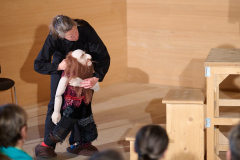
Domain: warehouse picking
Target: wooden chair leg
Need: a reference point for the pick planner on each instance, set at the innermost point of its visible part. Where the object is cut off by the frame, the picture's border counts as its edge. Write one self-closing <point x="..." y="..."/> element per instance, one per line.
<point x="15" y="94"/>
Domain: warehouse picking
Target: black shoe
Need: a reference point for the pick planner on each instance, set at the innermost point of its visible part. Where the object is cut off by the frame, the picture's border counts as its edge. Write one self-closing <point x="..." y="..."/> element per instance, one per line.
<point x="44" y="152"/>
<point x="83" y="150"/>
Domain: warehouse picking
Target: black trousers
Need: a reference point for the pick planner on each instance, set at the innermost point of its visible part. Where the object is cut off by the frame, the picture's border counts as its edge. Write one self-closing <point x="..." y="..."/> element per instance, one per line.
<point x="86" y="126"/>
<point x="49" y="125"/>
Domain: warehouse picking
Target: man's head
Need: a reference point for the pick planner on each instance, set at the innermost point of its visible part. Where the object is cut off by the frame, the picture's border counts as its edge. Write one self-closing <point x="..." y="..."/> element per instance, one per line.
<point x="234" y="144"/>
<point x="64" y="27"/>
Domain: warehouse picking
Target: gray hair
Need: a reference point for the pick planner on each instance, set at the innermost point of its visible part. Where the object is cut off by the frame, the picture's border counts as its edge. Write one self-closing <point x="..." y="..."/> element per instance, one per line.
<point x="60" y="25"/>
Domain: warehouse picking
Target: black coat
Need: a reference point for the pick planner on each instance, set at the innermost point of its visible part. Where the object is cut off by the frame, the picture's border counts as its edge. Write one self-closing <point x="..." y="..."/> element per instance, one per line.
<point x="88" y="41"/>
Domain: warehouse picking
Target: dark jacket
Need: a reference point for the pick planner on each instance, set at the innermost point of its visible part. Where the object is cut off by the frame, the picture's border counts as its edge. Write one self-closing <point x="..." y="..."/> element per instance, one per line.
<point x="88" y="41"/>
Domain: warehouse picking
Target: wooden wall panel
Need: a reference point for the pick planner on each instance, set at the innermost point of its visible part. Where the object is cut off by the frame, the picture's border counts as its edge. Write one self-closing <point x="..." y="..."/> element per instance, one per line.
<point x="168" y="41"/>
<point x="24" y="27"/>
<point x="155" y="41"/>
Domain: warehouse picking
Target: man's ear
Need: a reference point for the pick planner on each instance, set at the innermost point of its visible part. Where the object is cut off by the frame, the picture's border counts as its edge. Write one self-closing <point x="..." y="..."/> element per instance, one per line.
<point x="228" y="155"/>
<point x="24" y="132"/>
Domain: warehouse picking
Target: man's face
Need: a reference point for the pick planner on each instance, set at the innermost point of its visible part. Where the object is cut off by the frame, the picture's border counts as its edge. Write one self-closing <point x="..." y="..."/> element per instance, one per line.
<point x="72" y="35"/>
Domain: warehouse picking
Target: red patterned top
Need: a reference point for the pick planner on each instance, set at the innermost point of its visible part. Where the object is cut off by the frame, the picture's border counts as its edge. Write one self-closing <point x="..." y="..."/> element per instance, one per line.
<point x="70" y="97"/>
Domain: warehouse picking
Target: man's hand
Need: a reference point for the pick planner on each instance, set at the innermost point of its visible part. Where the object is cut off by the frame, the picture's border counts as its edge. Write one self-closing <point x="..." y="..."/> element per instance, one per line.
<point x="75" y="82"/>
<point x="62" y="65"/>
<point x="89" y="82"/>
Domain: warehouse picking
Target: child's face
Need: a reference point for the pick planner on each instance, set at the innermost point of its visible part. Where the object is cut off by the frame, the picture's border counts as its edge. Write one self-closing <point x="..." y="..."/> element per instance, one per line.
<point x="85" y="59"/>
<point x="82" y="57"/>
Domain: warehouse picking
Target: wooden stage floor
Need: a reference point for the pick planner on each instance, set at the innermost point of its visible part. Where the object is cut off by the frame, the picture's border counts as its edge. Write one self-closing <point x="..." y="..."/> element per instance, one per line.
<point x="116" y="109"/>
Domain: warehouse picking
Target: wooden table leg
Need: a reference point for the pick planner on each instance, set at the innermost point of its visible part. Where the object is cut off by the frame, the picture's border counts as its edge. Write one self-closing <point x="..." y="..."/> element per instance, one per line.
<point x="210" y="114"/>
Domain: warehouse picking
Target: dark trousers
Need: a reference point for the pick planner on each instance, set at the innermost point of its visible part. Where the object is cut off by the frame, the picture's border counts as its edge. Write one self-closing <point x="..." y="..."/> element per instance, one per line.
<point x="55" y="78"/>
<point x="86" y="126"/>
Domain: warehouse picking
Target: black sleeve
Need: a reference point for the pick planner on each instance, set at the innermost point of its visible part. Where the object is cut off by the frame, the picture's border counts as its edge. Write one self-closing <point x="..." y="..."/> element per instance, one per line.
<point x="42" y="63"/>
<point x="98" y="51"/>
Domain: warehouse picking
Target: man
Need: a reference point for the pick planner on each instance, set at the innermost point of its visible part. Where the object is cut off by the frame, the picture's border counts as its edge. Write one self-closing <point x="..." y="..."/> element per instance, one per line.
<point x="67" y="35"/>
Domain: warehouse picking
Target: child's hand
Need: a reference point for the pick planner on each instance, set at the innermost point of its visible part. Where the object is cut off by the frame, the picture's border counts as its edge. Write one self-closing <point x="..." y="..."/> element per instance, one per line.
<point x="56" y="116"/>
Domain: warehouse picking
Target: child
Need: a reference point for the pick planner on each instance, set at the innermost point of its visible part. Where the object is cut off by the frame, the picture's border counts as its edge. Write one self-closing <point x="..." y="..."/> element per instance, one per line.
<point x="13" y="131"/>
<point x="76" y="109"/>
<point x="151" y="142"/>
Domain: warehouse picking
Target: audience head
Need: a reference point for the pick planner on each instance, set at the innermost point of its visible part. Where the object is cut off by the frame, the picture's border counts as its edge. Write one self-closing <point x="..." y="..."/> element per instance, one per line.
<point x="107" y="155"/>
<point x="234" y="144"/>
<point x="151" y="142"/>
<point x="13" y="120"/>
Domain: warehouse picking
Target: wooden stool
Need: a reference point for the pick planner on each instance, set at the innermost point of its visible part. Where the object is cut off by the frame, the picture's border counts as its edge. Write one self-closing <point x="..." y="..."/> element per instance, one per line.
<point x="131" y="136"/>
<point x="185" y="124"/>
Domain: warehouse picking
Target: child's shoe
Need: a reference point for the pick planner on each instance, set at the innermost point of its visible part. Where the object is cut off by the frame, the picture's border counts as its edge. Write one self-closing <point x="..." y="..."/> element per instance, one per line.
<point x="84" y="150"/>
<point x="44" y="152"/>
